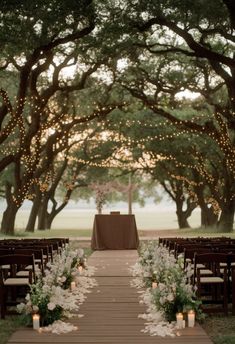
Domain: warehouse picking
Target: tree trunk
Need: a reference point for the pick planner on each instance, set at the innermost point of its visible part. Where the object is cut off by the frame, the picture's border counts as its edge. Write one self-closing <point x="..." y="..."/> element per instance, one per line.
<point x="182" y="218"/>
<point x="183" y="215"/>
<point x="33" y="214"/>
<point x="42" y="214"/>
<point x="49" y="218"/>
<point x="226" y="219"/>
<point x="55" y="211"/>
<point x="208" y="217"/>
<point x="8" y="219"/>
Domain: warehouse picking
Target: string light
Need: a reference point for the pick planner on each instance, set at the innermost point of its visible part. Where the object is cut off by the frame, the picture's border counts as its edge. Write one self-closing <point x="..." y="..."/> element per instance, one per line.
<point x="62" y="125"/>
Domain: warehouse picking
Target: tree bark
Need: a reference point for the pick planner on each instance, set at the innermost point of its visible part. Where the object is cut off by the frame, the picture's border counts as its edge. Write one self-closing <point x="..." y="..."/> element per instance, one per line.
<point x="33" y="213"/>
<point x="49" y="219"/>
<point x="183" y="215"/>
<point x="208" y="217"/>
<point x="226" y="219"/>
<point x="42" y="214"/>
<point x="50" y="216"/>
<point x="8" y="219"/>
<point x="9" y="215"/>
<point x="182" y="218"/>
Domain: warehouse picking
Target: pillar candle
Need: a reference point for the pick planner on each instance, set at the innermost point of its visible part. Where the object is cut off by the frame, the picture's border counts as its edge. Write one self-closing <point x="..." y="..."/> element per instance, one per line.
<point x="179" y="320"/>
<point x="36" y="321"/>
<point x="72" y="285"/>
<point x="154" y="285"/>
<point x="191" y="318"/>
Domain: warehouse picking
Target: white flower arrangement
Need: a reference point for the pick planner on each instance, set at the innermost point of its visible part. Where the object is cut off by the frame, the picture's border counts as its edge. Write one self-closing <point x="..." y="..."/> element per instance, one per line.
<point x="51" y="296"/>
<point x="173" y="290"/>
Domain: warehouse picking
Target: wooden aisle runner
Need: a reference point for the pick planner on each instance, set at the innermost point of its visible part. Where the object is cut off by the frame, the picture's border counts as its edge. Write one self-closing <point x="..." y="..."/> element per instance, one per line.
<point x="110" y="311"/>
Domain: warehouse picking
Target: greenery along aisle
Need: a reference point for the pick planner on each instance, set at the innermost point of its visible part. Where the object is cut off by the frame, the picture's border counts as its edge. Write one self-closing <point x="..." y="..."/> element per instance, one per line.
<point x="168" y="292"/>
<point x="58" y="294"/>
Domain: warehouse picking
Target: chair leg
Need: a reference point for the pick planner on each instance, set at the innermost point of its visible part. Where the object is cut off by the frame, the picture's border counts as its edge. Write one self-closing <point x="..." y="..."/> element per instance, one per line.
<point x="225" y="299"/>
<point x="233" y="291"/>
<point x="3" y="301"/>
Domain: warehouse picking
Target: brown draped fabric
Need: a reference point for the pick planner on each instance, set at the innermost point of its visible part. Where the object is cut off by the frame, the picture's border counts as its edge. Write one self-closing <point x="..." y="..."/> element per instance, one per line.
<point x="114" y="232"/>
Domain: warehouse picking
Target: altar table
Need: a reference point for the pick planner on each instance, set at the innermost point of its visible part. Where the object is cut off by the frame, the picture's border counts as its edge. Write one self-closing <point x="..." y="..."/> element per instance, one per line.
<point x="114" y="232"/>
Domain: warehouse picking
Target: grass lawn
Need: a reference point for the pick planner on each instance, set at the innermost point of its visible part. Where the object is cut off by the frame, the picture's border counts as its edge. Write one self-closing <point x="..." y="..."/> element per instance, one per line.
<point x="145" y="233"/>
<point x="187" y="232"/>
<point x="56" y="233"/>
<point x="221" y="329"/>
<point x="8" y="326"/>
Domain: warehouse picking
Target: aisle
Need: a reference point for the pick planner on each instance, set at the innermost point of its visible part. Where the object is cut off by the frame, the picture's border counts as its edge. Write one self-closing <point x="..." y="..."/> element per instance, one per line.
<point x="110" y="311"/>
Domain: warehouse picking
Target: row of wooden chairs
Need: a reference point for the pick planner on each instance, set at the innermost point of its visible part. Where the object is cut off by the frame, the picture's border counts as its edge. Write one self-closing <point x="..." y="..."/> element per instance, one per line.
<point x="177" y="245"/>
<point x="12" y="285"/>
<point x="212" y="261"/>
<point x="55" y="244"/>
<point x="21" y="261"/>
<point x="213" y="277"/>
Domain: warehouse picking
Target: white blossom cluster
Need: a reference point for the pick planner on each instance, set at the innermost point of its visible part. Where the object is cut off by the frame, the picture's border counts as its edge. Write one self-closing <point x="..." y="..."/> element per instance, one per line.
<point x="59" y="327"/>
<point x="172" y="292"/>
<point x="53" y="290"/>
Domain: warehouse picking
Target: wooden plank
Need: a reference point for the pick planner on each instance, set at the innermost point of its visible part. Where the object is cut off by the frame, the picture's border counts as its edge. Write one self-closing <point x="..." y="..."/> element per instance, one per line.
<point x="110" y="311"/>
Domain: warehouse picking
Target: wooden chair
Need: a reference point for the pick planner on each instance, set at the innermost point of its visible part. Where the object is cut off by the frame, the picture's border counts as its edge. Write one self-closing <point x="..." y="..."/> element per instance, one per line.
<point x="189" y="254"/>
<point x="53" y="247"/>
<point x="10" y="282"/>
<point x="47" y="251"/>
<point x="233" y="289"/>
<point x="231" y="280"/>
<point x="212" y="288"/>
<point x="38" y="259"/>
<point x="4" y="251"/>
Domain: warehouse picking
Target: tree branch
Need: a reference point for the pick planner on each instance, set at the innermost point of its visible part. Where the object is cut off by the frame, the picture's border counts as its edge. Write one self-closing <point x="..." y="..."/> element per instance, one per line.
<point x="199" y="50"/>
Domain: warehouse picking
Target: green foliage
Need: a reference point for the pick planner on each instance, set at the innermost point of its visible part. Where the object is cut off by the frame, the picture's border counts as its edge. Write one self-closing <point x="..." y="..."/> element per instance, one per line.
<point x="39" y="22"/>
<point x="220" y="328"/>
<point x="224" y="340"/>
<point x="9" y="325"/>
<point x="174" y="292"/>
<point x="39" y="298"/>
<point x="47" y="316"/>
<point x="182" y="300"/>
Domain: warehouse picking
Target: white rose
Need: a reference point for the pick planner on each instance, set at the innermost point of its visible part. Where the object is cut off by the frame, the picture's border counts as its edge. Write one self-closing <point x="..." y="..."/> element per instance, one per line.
<point x="51" y="306"/>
